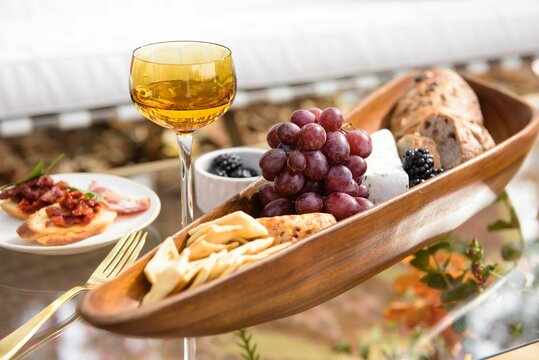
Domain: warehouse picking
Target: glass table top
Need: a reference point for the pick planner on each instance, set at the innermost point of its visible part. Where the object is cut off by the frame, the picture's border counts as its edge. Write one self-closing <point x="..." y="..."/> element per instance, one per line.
<point x="418" y="308"/>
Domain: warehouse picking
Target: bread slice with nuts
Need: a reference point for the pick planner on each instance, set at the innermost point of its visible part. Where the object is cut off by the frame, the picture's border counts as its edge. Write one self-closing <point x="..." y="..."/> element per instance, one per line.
<point x="38" y="227"/>
<point x="457" y="140"/>
<point x="433" y="92"/>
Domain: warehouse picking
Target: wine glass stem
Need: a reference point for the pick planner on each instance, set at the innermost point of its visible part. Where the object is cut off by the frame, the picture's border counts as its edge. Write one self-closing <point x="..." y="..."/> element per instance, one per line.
<point x="189" y="348"/>
<point x="185" y="144"/>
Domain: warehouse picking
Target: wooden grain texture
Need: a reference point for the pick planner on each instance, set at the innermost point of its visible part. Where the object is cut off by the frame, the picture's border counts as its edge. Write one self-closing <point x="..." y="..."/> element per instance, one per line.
<point x="338" y="258"/>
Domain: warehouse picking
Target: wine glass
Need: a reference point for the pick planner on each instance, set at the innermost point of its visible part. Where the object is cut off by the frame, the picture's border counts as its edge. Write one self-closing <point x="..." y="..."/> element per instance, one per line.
<point x="183" y="86"/>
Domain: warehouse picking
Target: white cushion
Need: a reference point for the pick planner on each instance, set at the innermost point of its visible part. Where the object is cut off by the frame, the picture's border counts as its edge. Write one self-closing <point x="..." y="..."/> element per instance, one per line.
<point x="65" y="55"/>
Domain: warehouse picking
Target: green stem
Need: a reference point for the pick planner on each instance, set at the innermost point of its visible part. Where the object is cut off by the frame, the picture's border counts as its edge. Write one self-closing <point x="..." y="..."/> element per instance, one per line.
<point x="441" y="270"/>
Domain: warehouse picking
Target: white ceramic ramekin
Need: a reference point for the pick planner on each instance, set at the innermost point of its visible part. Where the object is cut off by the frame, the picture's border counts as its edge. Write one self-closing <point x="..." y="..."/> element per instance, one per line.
<point x="212" y="190"/>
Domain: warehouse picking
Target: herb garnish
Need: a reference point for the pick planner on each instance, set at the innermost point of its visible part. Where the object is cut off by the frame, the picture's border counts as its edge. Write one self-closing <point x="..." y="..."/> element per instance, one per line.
<point x="39" y="170"/>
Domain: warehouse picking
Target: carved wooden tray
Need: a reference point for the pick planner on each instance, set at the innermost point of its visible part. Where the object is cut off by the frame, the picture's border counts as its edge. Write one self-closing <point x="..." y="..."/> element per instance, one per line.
<point x="338" y="258"/>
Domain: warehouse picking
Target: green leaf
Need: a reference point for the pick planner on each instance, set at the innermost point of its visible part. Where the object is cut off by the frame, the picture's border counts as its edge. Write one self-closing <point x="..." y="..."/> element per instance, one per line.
<point x="87" y="194"/>
<point x="414" y="336"/>
<point x="421" y="260"/>
<point x="53" y="163"/>
<point x="364" y="350"/>
<point x="446" y="263"/>
<point x="459" y="278"/>
<point x="93" y="196"/>
<point x="460" y="291"/>
<point x="249" y="351"/>
<point x="511" y="251"/>
<point x="501" y="225"/>
<point x="488" y="270"/>
<point x="438" y="246"/>
<point x="436" y="280"/>
<point x="36" y="172"/>
<point x="516" y="330"/>
<point x="342" y="347"/>
<point x="459" y="326"/>
<point x="502" y="197"/>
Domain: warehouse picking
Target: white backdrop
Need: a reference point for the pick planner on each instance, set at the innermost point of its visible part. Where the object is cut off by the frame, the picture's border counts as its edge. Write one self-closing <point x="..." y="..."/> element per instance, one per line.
<point x="66" y="55"/>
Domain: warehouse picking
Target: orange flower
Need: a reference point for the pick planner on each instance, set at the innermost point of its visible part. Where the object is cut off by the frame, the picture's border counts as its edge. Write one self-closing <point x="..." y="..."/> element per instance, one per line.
<point x="426" y="308"/>
<point x="406" y="281"/>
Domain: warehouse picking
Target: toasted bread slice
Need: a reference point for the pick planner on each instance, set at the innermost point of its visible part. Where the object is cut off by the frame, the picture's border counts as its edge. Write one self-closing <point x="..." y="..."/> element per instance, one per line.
<point x="36" y="228"/>
<point x="12" y="209"/>
<point x="292" y="228"/>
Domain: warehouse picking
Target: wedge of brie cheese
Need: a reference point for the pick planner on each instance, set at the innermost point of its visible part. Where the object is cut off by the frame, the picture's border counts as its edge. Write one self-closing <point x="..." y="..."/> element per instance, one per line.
<point x="385" y="176"/>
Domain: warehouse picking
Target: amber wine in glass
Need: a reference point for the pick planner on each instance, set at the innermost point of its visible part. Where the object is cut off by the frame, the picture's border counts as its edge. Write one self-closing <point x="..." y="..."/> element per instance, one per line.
<point x="183" y="86"/>
<point x="184" y="105"/>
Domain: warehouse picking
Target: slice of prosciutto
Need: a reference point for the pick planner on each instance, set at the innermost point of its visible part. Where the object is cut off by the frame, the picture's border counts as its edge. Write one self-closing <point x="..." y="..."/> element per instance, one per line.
<point x="123" y="205"/>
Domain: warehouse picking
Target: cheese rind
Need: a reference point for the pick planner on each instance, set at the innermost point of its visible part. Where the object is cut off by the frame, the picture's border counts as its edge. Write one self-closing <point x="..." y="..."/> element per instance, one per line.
<point x="385" y="176"/>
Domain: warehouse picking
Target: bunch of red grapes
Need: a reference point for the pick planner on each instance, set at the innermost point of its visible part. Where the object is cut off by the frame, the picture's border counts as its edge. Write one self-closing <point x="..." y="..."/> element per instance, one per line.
<point x="315" y="166"/>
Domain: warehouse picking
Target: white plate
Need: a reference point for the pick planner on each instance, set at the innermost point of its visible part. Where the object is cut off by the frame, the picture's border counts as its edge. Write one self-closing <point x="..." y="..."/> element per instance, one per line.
<point x="8" y="224"/>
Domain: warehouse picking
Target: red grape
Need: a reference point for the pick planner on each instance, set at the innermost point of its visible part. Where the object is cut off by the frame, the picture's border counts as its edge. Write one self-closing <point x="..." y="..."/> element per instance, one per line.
<point x="357" y="166"/>
<point x="331" y="119"/>
<point x="272" y="138"/>
<point x="288" y="133"/>
<point x="316" y="111"/>
<point x="317" y="165"/>
<point x="341" y="205"/>
<point x="277" y="208"/>
<point x="267" y="194"/>
<point x="270" y="176"/>
<point x="302" y="117"/>
<point x="313" y="186"/>
<point x="363" y="191"/>
<point x="288" y="183"/>
<point x="296" y="161"/>
<point x="353" y="189"/>
<point x="308" y="203"/>
<point x="363" y="203"/>
<point x="360" y="143"/>
<point x="273" y="161"/>
<point x="311" y="137"/>
<point x="336" y="148"/>
<point x="338" y="179"/>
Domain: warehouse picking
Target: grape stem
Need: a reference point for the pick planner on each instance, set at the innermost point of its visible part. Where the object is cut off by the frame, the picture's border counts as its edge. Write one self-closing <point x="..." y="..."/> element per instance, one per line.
<point x="348" y="127"/>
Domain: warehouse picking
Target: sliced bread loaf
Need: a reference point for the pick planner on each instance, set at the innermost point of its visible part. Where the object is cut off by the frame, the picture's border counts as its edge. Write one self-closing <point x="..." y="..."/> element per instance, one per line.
<point x="435" y="91"/>
<point x="457" y="140"/>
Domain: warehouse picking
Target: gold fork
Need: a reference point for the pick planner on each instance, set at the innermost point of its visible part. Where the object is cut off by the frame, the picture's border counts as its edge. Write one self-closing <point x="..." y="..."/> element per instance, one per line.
<point x="125" y="252"/>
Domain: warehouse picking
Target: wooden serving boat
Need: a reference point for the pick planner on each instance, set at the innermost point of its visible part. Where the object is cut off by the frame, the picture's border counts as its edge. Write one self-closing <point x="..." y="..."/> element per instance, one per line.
<point x="328" y="263"/>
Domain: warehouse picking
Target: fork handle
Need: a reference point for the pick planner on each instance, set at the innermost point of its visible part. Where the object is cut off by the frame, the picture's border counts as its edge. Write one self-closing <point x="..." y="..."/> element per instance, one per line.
<point x="14" y="341"/>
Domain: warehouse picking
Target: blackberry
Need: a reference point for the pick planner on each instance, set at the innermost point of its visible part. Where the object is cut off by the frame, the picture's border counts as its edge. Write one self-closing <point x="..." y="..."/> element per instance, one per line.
<point x="218" y="172"/>
<point x="242" y="172"/>
<point x="225" y="164"/>
<point x="419" y="165"/>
